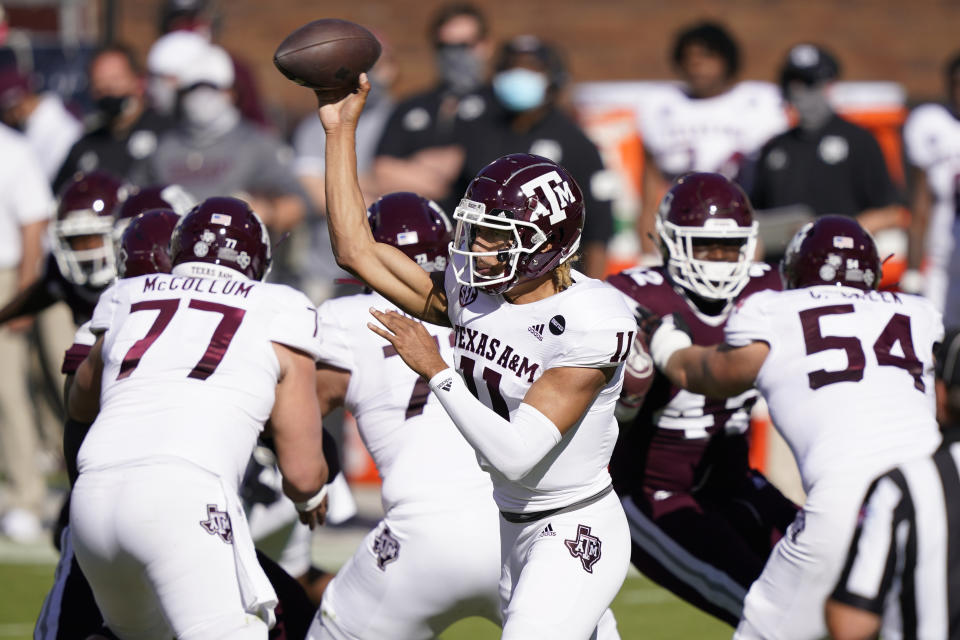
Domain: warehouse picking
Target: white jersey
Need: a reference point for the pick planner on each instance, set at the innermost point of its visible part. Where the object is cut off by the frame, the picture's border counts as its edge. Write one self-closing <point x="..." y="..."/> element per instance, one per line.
<point x="189" y="369"/>
<point x="709" y="134"/>
<point x="420" y="454"/>
<point x="501" y="349"/>
<point x="931" y="137"/>
<point x="849" y="376"/>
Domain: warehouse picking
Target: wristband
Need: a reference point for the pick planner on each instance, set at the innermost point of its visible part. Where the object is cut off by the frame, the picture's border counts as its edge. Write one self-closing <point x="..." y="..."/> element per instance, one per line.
<point x="666" y="341"/>
<point x="312" y="503"/>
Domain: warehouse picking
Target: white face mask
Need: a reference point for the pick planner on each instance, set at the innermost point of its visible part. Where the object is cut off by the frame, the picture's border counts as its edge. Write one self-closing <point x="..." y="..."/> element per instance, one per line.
<point x="203" y="106"/>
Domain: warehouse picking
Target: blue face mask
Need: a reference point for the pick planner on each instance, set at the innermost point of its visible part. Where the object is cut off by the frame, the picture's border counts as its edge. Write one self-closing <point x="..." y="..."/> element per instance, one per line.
<point x="520" y="89"/>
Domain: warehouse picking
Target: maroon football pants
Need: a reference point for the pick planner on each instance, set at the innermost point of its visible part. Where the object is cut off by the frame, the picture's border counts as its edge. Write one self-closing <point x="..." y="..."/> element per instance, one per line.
<point x="709" y="545"/>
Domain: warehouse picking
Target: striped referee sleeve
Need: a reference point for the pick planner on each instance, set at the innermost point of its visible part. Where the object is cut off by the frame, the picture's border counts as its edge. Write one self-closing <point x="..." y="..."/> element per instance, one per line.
<point x="883" y="552"/>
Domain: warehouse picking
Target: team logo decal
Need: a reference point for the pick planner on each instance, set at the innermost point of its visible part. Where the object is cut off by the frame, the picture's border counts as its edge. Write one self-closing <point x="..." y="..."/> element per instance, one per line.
<point x="585" y="546"/>
<point x="828" y="270"/>
<point x="218" y="524"/>
<point x="386" y="547"/>
<point x="557" y="325"/>
<point x="467" y="296"/>
<point x="555" y="190"/>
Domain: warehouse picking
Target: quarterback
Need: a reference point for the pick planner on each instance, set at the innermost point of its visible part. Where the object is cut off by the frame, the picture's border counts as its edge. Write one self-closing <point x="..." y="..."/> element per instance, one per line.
<point x="537" y="370"/>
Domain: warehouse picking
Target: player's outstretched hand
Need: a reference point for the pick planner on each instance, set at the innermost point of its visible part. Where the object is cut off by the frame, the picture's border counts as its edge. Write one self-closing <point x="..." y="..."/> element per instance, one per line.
<point x="315" y="517"/>
<point x="412" y="341"/>
<point x="346" y="112"/>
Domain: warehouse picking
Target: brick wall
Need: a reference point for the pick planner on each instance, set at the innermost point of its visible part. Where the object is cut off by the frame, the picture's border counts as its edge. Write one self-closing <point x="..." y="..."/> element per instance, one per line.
<point x="900" y="40"/>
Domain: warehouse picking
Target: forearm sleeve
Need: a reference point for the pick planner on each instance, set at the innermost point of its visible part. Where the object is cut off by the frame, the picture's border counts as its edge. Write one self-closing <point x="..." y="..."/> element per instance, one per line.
<point x="513" y="447"/>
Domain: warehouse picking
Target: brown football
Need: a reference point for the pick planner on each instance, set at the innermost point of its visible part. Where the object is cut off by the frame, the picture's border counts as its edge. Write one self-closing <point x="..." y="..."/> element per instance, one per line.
<point x="327" y="56"/>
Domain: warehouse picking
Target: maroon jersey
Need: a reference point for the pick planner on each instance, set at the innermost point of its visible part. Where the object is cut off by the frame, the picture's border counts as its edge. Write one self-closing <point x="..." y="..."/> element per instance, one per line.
<point x="666" y="448"/>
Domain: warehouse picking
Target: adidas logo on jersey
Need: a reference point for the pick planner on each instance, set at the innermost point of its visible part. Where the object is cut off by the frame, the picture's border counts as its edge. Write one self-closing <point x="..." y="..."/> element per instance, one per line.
<point x="446" y="385"/>
<point x="547" y="531"/>
<point x="537" y="331"/>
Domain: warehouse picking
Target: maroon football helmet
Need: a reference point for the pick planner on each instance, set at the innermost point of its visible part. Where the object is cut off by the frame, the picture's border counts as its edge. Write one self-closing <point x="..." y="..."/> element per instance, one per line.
<point x="160" y="196"/>
<point x="85" y="210"/>
<point x="705" y="207"/>
<point x="224" y="232"/>
<point x="533" y="200"/>
<point x="415" y="225"/>
<point x="145" y="244"/>
<point x="832" y="250"/>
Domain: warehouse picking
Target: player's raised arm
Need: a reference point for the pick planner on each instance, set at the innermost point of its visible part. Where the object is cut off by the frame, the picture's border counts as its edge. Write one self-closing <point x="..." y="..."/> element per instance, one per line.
<point x="383" y="267"/>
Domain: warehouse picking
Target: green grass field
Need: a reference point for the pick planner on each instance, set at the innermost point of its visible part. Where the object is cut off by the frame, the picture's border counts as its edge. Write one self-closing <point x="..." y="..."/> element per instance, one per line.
<point x="643" y="610"/>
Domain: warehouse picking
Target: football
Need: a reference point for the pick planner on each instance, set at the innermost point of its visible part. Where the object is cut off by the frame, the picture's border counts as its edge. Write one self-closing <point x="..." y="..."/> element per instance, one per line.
<point x="327" y="56"/>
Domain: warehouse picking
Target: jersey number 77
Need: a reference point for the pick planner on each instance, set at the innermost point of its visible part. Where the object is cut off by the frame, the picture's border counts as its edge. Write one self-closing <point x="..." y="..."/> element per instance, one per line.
<point x="216" y="349"/>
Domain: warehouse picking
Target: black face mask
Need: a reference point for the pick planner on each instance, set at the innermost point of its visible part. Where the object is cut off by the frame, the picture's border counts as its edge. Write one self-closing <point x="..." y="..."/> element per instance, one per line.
<point x="110" y="107"/>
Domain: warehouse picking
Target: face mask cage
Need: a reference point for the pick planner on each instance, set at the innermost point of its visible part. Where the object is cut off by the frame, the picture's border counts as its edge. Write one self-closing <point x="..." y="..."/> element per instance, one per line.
<point x="471" y="217"/>
<point x="714" y="280"/>
<point x="95" y="267"/>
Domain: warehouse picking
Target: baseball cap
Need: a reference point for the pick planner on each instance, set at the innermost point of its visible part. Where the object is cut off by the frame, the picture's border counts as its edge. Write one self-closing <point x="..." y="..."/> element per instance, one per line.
<point x="810" y="64"/>
<point x="212" y="66"/>
<point x="530" y="45"/>
<point x="173" y="52"/>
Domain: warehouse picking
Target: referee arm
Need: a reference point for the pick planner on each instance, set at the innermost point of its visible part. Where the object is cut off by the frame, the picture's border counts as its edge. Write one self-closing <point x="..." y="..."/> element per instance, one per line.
<point x="847" y="622"/>
<point x="874" y="562"/>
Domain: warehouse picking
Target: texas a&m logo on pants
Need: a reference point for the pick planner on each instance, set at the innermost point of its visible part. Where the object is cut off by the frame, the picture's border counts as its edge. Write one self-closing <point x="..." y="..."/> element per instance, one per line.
<point x="386" y="547"/>
<point x="218" y="524"/>
<point x="585" y="546"/>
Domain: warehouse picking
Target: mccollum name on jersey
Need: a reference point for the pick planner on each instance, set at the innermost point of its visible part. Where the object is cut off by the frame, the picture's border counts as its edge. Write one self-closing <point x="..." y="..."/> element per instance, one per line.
<point x="199" y="285"/>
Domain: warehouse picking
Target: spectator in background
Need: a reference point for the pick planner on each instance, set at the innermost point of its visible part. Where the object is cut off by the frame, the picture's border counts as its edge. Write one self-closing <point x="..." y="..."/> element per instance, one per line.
<point x="25" y="207"/>
<point x="419" y="150"/>
<point x="710" y="122"/>
<point x="50" y="129"/>
<point x="529" y="78"/>
<point x="213" y="151"/>
<point x="931" y="137"/>
<point x="125" y="129"/>
<point x="166" y="59"/>
<point x="203" y="18"/>
<point x="824" y="163"/>
<point x="309" y="142"/>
